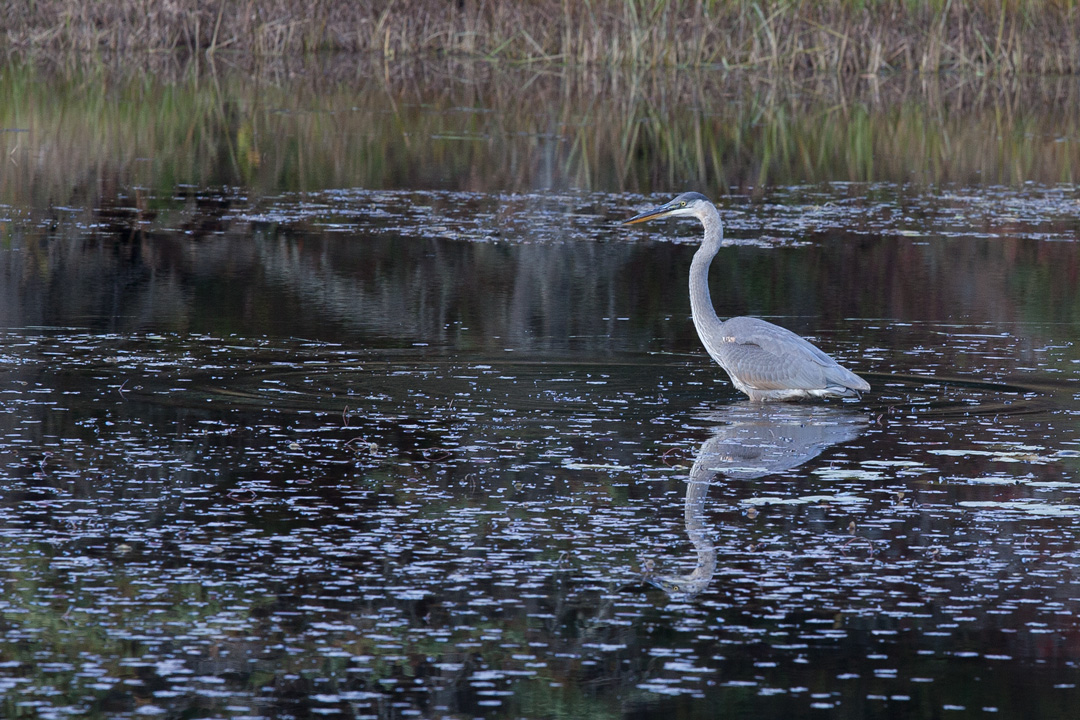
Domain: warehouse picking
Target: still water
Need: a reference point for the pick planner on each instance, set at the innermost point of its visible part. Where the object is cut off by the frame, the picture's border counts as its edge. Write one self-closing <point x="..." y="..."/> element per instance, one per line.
<point x="425" y="452"/>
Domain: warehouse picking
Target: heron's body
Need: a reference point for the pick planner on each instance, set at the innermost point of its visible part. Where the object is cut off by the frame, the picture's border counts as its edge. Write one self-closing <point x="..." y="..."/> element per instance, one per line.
<point x="763" y="360"/>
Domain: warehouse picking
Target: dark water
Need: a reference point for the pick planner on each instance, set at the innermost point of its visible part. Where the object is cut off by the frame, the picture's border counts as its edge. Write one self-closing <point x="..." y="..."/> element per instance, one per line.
<point x="327" y="459"/>
<point x="417" y="453"/>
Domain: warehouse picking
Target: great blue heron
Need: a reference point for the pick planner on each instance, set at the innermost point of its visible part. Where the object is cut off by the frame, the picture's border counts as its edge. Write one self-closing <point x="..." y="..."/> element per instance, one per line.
<point x="765" y="361"/>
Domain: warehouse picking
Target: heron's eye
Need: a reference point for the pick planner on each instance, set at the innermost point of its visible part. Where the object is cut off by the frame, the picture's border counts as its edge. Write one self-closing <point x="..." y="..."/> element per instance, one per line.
<point x="683" y="204"/>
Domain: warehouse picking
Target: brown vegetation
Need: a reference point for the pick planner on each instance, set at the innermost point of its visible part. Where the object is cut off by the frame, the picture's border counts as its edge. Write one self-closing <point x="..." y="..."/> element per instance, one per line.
<point x="849" y="36"/>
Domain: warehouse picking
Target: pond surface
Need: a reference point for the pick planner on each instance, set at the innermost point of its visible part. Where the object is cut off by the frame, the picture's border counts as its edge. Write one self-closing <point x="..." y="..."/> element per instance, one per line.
<point x="387" y="452"/>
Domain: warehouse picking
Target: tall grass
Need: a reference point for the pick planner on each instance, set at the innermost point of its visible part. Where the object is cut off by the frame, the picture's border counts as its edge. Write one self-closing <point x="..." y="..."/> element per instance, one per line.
<point x="312" y="125"/>
<point x="846" y="36"/>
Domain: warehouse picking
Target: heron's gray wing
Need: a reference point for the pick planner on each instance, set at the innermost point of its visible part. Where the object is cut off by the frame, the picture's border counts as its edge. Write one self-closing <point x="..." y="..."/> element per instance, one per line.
<point x="768" y="357"/>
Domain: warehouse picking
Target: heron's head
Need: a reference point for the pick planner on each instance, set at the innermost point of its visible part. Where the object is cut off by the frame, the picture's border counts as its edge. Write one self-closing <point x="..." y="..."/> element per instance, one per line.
<point x="690" y="204"/>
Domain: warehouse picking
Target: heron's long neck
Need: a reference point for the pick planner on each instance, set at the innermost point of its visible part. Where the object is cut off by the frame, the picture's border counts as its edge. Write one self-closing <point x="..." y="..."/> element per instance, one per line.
<point x="701" y="306"/>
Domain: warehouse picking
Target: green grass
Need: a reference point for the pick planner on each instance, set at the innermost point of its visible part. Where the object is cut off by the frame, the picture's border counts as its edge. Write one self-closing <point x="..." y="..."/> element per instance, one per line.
<point x="845" y="36"/>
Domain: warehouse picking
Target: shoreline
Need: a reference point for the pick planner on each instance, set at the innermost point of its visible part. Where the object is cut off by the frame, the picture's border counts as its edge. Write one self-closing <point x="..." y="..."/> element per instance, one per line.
<point x="849" y="37"/>
<point x="295" y="124"/>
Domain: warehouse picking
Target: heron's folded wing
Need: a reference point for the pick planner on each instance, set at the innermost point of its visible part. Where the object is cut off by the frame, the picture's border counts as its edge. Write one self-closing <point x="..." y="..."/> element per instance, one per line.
<point x="768" y="357"/>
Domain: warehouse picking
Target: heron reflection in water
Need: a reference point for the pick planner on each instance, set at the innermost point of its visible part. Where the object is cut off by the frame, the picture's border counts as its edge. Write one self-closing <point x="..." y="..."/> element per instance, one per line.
<point x="763" y="360"/>
<point x="749" y="442"/>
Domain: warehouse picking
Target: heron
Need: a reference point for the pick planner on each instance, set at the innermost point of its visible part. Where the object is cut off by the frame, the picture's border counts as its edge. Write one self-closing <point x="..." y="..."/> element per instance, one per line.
<point x="763" y="360"/>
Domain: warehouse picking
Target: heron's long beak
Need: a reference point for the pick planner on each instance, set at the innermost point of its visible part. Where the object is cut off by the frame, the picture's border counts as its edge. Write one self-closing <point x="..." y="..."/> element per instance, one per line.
<point x="648" y="215"/>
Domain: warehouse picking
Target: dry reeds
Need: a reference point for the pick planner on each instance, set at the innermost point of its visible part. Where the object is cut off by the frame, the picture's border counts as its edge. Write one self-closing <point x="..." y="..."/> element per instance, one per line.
<point x="846" y="36"/>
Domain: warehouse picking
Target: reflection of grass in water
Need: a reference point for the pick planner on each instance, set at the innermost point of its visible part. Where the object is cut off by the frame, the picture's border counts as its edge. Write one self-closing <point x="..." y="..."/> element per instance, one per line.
<point x="856" y="36"/>
<point x="474" y="127"/>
